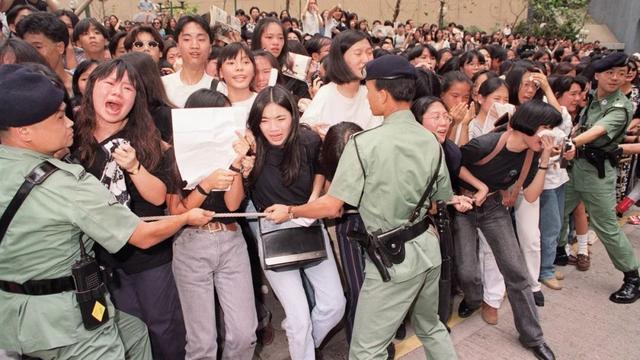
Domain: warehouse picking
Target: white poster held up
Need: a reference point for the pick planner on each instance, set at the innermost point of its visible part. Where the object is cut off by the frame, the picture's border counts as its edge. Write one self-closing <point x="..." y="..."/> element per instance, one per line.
<point x="203" y="140"/>
<point x="297" y="66"/>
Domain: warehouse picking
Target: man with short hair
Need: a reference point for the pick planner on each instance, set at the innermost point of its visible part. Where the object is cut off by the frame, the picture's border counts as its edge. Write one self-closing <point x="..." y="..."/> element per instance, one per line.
<point x="387" y="204"/>
<point x="194" y="43"/>
<point x="50" y="291"/>
<point x="49" y="35"/>
<point x="592" y="178"/>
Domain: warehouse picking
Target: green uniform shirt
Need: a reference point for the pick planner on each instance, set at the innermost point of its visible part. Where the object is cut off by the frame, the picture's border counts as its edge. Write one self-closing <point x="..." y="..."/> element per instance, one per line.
<point x="42" y="243"/>
<point x="399" y="158"/>
<point x="618" y="111"/>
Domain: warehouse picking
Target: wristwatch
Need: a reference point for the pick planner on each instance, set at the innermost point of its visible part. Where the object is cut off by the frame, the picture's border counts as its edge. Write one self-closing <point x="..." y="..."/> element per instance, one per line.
<point x="201" y="190"/>
<point x="136" y="170"/>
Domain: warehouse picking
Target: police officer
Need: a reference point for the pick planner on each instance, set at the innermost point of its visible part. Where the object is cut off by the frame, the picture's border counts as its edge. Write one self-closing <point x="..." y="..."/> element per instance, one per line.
<point x="39" y="313"/>
<point x="603" y="124"/>
<point x="383" y="172"/>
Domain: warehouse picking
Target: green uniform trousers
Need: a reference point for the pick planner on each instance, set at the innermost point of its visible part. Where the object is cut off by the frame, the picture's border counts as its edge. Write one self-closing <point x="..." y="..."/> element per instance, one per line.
<point x="125" y="338"/>
<point x="599" y="206"/>
<point x="383" y="305"/>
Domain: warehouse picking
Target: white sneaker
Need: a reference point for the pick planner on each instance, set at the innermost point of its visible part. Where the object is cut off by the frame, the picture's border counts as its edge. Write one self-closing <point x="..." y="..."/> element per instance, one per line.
<point x="592" y="237"/>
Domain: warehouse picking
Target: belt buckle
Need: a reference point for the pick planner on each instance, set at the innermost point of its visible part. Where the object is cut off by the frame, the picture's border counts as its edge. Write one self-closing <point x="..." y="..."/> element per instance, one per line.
<point x="215" y="227"/>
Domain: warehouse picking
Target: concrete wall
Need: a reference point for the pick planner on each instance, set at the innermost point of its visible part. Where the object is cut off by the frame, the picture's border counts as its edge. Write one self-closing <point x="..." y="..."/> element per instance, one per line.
<point x="486" y="14"/>
<point x="622" y="17"/>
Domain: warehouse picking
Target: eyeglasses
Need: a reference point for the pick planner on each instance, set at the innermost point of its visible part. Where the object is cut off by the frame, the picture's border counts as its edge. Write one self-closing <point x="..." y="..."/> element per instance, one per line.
<point x="439" y="116"/>
<point x="140" y="44"/>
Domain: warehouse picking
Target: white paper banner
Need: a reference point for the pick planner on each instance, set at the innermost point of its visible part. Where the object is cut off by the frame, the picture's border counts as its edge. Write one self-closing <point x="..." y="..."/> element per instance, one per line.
<point x="203" y="140"/>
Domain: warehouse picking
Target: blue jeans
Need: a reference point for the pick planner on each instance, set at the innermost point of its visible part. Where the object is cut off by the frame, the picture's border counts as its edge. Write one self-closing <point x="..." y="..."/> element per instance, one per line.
<point x="494" y="221"/>
<point x="551" y="213"/>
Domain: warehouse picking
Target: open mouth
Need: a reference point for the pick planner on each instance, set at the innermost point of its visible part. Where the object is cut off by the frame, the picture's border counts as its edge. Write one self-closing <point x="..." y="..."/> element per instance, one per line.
<point x="442" y="132"/>
<point x="113" y="107"/>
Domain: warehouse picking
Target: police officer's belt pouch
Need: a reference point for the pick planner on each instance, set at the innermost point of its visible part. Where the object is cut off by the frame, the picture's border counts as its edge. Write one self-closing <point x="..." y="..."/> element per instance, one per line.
<point x="288" y="248"/>
<point x="90" y="290"/>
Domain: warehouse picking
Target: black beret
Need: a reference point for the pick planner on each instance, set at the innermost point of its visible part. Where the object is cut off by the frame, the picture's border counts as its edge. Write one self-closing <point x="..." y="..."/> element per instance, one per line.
<point x="616" y="59"/>
<point x="390" y="67"/>
<point x="28" y="97"/>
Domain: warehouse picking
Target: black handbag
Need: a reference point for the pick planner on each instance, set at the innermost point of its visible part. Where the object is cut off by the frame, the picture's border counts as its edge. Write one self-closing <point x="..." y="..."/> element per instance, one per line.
<point x="292" y="248"/>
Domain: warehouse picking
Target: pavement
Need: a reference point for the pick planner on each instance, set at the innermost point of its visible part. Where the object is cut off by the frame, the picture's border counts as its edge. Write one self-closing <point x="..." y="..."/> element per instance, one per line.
<point x="579" y="322"/>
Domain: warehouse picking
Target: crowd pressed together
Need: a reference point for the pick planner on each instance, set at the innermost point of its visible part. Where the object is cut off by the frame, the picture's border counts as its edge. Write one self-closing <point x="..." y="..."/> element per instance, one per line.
<point x="536" y="136"/>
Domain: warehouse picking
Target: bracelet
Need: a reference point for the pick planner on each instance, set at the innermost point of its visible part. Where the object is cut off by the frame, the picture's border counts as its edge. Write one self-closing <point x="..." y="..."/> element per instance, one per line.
<point x="543" y="167"/>
<point x="136" y="170"/>
<point x="235" y="169"/>
<point x="290" y="213"/>
<point x="201" y="190"/>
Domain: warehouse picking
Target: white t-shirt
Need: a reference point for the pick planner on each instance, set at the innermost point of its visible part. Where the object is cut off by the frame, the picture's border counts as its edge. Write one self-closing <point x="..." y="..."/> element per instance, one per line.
<point x="556" y="176"/>
<point x="328" y="27"/>
<point x="178" y="92"/>
<point x="246" y="104"/>
<point x="330" y="107"/>
<point x="311" y="23"/>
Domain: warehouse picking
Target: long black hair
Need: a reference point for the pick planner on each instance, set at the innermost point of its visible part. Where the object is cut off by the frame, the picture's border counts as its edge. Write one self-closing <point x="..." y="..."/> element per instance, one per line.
<point x="140" y="129"/>
<point x="514" y="81"/>
<point x="257" y="36"/>
<point x="292" y="160"/>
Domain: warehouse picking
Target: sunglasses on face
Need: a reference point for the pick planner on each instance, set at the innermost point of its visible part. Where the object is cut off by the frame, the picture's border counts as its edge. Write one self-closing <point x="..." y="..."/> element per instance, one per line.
<point x="140" y="44"/>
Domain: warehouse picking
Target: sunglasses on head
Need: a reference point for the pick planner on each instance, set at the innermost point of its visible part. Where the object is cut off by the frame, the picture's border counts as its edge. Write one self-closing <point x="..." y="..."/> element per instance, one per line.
<point x="140" y="44"/>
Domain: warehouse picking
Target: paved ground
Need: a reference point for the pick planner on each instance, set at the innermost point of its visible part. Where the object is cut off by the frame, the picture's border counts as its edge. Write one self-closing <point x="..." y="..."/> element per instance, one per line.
<point x="579" y="322"/>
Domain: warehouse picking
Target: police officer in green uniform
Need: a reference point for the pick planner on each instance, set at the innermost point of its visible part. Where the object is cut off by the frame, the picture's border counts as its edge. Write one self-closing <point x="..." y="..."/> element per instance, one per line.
<point x="603" y="124"/>
<point x="384" y="172"/>
<point x="39" y="313"/>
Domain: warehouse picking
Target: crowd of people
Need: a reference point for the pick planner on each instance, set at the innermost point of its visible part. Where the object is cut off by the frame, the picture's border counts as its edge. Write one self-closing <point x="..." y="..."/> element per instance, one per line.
<point x="531" y="141"/>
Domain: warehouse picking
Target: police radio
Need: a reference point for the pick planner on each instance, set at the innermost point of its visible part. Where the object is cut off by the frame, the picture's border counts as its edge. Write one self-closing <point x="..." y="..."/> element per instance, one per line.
<point x="90" y="290"/>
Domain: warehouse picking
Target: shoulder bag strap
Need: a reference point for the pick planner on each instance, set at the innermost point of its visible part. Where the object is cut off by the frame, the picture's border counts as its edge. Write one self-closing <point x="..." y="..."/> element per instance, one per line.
<point x="496" y="150"/>
<point x="36" y="177"/>
<point x="524" y="172"/>
<point x="364" y="175"/>
<point x="427" y="192"/>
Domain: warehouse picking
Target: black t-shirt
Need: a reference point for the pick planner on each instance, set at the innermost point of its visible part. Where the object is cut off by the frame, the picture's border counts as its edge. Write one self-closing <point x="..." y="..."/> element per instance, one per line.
<point x="214" y="202"/>
<point x="161" y="115"/>
<point x="269" y="187"/>
<point x="130" y="258"/>
<point x="502" y="171"/>
<point x="453" y="158"/>
<point x="298" y="88"/>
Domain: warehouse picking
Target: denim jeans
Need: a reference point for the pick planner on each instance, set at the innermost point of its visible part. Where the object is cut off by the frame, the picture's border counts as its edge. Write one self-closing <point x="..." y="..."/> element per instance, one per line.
<point x="494" y="221"/>
<point x="207" y="263"/>
<point x="551" y="213"/>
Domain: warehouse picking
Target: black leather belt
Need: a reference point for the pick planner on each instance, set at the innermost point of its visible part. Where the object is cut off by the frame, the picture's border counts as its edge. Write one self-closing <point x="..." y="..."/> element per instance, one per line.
<point x="39" y="287"/>
<point x="408" y="233"/>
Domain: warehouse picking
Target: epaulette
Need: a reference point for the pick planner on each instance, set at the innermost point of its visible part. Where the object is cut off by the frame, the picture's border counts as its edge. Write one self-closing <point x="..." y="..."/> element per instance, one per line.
<point x="73" y="169"/>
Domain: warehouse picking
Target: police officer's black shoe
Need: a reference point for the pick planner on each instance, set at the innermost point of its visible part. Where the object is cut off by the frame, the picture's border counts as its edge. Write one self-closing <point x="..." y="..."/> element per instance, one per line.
<point x="630" y="290"/>
<point x="464" y="310"/>
<point x="562" y="259"/>
<point x="543" y="352"/>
